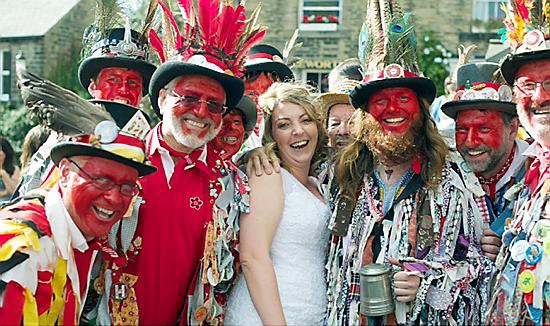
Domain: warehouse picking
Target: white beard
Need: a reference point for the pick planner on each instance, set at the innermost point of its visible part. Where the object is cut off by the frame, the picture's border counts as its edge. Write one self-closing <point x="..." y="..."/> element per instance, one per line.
<point x="539" y="129"/>
<point x="189" y="140"/>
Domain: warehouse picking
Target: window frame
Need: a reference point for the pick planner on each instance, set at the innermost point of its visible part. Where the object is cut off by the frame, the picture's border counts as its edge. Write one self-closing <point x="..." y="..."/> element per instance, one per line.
<point x="5" y="97"/>
<point x="304" y="72"/>
<point x="319" y="26"/>
<point x="486" y="17"/>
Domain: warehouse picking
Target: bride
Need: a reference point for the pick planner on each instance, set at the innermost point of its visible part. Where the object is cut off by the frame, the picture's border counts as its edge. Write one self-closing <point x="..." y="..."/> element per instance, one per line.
<point x="284" y="237"/>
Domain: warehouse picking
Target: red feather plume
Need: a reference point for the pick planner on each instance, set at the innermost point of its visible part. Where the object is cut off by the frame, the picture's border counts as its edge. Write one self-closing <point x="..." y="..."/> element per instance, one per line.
<point x="156" y="43"/>
<point x="178" y="42"/>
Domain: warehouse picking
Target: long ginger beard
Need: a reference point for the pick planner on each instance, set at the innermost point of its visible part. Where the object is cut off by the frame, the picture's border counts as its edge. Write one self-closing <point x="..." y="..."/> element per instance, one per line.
<point x="391" y="149"/>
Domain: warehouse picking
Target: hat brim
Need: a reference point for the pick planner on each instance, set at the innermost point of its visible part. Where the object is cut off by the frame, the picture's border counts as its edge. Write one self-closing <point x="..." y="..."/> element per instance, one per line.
<point x="328" y="100"/>
<point x="248" y="110"/>
<point x="70" y="149"/>
<point x="90" y="68"/>
<point x="452" y="108"/>
<point x="122" y="113"/>
<point x="233" y="86"/>
<point x="282" y="70"/>
<point x="424" y="88"/>
<point x="513" y="62"/>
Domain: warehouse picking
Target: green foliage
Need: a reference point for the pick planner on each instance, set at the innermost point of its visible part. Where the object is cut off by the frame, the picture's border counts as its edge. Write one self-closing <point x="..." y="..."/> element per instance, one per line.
<point x="65" y="73"/>
<point x="16" y="122"/>
<point x="433" y="58"/>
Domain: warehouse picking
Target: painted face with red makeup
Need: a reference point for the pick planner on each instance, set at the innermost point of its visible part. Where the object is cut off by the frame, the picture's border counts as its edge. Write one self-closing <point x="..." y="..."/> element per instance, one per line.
<point x="186" y="128"/>
<point x="484" y="140"/>
<point x="94" y="211"/>
<point x="231" y="137"/>
<point x="395" y="109"/>
<point x="255" y="85"/>
<point x="533" y="107"/>
<point x="118" y="85"/>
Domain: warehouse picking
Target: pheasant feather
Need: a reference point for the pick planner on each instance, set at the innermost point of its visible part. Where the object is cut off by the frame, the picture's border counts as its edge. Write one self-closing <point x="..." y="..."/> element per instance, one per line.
<point x="58" y="108"/>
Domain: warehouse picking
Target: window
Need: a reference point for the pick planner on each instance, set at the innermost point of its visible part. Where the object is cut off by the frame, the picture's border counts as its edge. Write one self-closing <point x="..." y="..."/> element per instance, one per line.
<point x="320" y="15"/>
<point x="488" y="10"/>
<point x="5" y="80"/>
<point x="317" y="79"/>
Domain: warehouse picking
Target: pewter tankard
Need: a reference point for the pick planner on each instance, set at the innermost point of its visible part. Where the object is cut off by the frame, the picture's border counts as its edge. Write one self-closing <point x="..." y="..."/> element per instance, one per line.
<point x="376" y="291"/>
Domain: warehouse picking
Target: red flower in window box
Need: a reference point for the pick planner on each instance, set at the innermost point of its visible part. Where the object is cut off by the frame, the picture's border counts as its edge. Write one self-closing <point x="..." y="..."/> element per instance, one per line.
<point x="319" y="19"/>
<point x="333" y="19"/>
<point x="306" y="19"/>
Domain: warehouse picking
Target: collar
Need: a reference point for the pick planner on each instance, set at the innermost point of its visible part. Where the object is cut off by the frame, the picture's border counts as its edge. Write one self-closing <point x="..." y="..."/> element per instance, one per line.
<point x="65" y="233"/>
<point x="154" y="146"/>
<point x="518" y="163"/>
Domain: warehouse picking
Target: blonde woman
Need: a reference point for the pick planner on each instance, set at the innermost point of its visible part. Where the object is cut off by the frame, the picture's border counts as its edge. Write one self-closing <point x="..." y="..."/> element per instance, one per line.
<point x="284" y="237"/>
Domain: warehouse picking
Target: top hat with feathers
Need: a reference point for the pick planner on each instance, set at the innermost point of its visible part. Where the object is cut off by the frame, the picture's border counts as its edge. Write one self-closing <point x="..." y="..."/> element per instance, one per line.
<point x="527" y="30"/>
<point x="387" y="50"/>
<point x="111" y="43"/>
<point x="213" y="42"/>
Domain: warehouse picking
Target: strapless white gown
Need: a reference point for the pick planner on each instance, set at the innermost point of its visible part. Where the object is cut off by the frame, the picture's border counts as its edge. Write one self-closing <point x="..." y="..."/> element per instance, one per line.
<point x="298" y="252"/>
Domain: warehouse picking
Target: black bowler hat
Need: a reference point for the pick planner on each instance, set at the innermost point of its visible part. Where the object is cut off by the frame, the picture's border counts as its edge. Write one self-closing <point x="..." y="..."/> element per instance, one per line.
<point x="247" y="109"/>
<point x="122" y="48"/>
<point x="266" y="58"/>
<point x="479" y="88"/>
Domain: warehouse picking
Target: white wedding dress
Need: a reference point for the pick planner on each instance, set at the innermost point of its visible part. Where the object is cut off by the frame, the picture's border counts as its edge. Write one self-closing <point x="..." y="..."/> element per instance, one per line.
<point x="298" y="252"/>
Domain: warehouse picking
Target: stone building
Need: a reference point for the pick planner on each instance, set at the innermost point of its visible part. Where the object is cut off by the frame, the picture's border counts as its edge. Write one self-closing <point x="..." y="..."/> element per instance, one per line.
<point x="329" y="28"/>
<point x="47" y="32"/>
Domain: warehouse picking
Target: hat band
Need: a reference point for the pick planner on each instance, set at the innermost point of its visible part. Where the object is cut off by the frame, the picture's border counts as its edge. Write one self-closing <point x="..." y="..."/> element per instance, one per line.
<point x="390" y="72"/>
<point x="125" y="146"/>
<point x="116" y="47"/>
<point x="127" y="151"/>
<point x="484" y="91"/>
<point x="209" y="62"/>
<point x="258" y="58"/>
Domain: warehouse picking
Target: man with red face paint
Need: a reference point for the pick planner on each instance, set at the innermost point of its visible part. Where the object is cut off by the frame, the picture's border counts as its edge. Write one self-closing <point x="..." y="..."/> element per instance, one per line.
<point x="237" y="126"/>
<point x="50" y="243"/>
<point x="263" y="66"/>
<point x="116" y="73"/>
<point x="486" y="130"/>
<point x="401" y="203"/>
<point x="182" y="252"/>
<point x="520" y="295"/>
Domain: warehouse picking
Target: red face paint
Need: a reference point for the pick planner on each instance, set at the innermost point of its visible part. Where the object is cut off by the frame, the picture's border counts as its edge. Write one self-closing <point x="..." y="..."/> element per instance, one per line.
<point x="231" y="136"/>
<point x="481" y="138"/>
<point x="118" y="84"/>
<point x="394" y="108"/>
<point x="189" y="128"/>
<point x="254" y="89"/>
<point x="95" y="211"/>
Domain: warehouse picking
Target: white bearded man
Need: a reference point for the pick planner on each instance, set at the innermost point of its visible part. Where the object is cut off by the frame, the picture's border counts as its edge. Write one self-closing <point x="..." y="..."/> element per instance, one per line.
<point x="521" y="295"/>
<point x="182" y="251"/>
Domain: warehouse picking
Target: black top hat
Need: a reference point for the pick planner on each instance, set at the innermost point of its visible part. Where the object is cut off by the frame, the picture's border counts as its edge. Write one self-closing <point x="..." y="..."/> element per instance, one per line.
<point x="479" y="88"/>
<point x="196" y="65"/>
<point x="117" y="50"/>
<point x="264" y="57"/>
<point x="392" y="76"/>
<point x="121" y="113"/>
<point x="247" y="108"/>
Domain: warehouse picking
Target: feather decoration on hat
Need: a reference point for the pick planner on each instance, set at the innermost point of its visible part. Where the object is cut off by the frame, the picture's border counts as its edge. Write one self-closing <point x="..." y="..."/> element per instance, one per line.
<point x="56" y="107"/>
<point x="148" y="21"/>
<point x="464" y="56"/>
<point x="523" y="16"/>
<point x="107" y="17"/>
<point x="213" y="28"/>
<point x="290" y="46"/>
<point x="387" y="37"/>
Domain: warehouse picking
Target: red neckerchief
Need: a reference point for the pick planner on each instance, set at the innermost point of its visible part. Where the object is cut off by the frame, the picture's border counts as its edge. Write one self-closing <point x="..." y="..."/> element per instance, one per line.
<point x="490" y="185"/>
<point x="539" y="167"/>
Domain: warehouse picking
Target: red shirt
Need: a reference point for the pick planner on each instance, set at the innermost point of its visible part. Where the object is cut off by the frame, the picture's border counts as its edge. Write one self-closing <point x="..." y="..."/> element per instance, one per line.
<point x="171" y="224"/>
